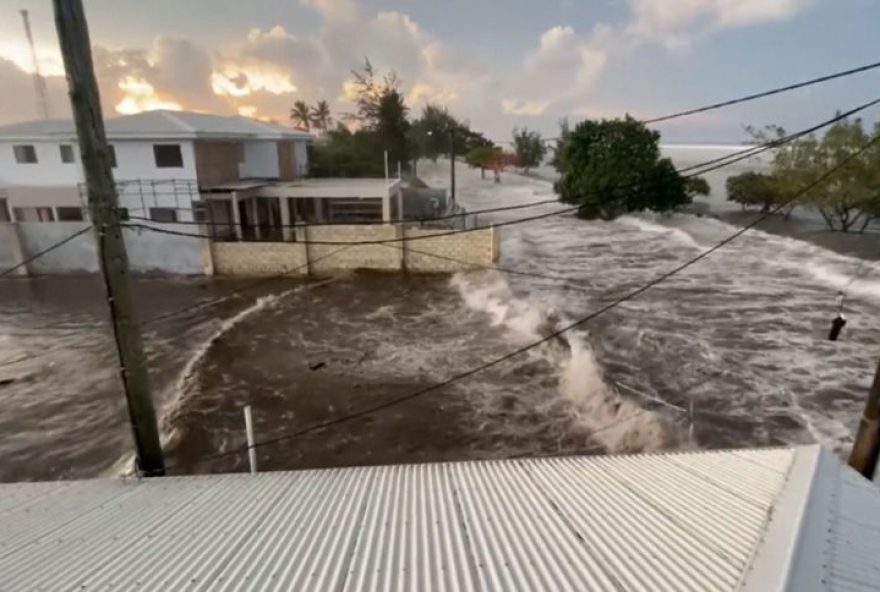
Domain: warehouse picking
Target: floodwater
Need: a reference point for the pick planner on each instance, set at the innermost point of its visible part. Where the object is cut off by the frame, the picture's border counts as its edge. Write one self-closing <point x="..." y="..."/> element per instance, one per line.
<point x="739" y="337"/>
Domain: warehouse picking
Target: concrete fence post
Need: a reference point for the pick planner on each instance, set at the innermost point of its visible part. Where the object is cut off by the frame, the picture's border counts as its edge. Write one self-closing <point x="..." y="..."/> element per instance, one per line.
<point x="207" y="250"/>
<point x="400" y="234"/>
<point x="495" y="241"/>
<point x="307" y="251"/>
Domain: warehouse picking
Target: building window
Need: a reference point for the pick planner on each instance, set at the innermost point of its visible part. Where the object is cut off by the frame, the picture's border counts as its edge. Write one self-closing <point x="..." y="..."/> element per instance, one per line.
<point x="168" y="156"/>
<point x="4" y="211"/>
<point x="111" y="151"/>
<point x="163" y="214"/>
<point x="123" y="214"/>
<point x="68" y="214"/>
<point x="25" y="154"/>
<point x="200" y="212"/>
<point x="66" y="153"/>
<point x="34" y="214"/>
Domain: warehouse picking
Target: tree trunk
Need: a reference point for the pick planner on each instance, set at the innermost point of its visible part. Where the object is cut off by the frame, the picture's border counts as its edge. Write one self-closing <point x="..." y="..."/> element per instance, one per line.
<point x="482" y="172"/>
<point x="829" y="221"/>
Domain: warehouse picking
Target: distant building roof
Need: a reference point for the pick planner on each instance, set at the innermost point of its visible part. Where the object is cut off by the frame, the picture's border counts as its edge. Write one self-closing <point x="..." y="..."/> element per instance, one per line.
<point x="761" y="520"/>
<point x="159" y="124"/>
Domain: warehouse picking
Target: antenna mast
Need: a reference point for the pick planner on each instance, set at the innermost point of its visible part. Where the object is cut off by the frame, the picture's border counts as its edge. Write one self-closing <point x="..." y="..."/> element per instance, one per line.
<point x="39" y="81"/>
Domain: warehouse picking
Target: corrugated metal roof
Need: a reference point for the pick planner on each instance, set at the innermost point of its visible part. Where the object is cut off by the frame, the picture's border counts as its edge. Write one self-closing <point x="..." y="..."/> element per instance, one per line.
<point x="690" y="521"/>
<point x="159" y="124"/>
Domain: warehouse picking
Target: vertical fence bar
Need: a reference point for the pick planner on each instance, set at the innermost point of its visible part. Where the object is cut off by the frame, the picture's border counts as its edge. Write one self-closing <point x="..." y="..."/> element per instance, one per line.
<point x="249" y="429"/>
<point x="691" y="420"/>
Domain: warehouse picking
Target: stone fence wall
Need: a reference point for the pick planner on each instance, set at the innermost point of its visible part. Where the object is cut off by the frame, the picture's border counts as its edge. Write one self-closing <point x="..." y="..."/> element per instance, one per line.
<point x="453" y="252"/>
<point x="411" y="248"/>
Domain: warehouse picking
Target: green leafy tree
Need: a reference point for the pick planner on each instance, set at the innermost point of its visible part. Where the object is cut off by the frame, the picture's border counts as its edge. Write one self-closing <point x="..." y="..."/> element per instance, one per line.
<point x="382" y="111"/>
<point x="753" y="189"/>
<point x="848" y="200"/>
<point x="483" y="157"/>
<point x="558" y="160"/>
<point x="695" y="186"/>
<point x="529" y="147"/>
<point x="320" y="116"/>
<point x="301" y="115"/>
<point x="613" y="167"/>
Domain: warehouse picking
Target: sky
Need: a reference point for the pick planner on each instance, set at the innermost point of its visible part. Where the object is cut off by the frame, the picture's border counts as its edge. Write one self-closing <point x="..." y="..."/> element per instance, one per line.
<point x="496" y="64"/>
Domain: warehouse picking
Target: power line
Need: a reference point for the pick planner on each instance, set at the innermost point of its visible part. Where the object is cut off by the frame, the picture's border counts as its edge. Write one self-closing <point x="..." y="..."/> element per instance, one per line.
<point x="755" y="150"/>
<point x="613" y="304"/>
<point x="765" y="93"/>
<point x="45" y="251"/>
<point x="706" y="167"/>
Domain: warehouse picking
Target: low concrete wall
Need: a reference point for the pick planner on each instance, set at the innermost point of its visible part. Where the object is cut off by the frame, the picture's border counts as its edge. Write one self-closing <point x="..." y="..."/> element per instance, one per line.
<point x="456" y="252"/>
<point x="80" y="255"/>
<point x="148" y="252"/>
<point x="10" y="249"/>
<point x="154" y="252"/>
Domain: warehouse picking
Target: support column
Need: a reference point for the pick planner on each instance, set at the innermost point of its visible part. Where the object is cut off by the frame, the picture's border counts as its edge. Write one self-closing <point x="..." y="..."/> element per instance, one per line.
<point x="386" y="208"/>
<point x="319" y="210"/>
<point x="236" y="215"/>
<point x="255" y="217"/>
<point x="286" y="230"/>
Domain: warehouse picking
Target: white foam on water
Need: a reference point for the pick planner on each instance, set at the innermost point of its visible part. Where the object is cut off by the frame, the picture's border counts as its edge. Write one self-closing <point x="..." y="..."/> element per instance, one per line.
<point x="645" y="223"/>
<point x="125" y="465"/>
<point x="613" y="421"/>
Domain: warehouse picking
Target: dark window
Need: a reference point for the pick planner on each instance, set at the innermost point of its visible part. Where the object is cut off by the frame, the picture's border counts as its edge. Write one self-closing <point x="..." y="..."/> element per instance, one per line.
<point x="68" y="214"/>
<point x="163" y="214"/>
<point x="4" y="211"/>
<point x="25" y="154"/>
<point x="123" y="214"/>
<point x="200" y="212"/>
<point x="66" y="153"/>
<point x="34" y="214"/>
<point x="168" y="156"/>
<point x="111" y="150"/>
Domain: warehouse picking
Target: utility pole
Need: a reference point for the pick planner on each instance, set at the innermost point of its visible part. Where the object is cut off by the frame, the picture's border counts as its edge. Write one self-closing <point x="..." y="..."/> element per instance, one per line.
<point x="73" y="36"/>
<point x="866" y="447"/>
<point x="452" y="163"/>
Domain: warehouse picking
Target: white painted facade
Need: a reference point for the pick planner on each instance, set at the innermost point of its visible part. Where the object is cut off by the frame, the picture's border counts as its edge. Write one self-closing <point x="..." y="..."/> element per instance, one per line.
<point x="50" y="183"/>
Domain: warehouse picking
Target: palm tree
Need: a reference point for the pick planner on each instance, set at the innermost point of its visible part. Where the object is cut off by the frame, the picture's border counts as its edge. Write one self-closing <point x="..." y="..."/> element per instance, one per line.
<point x="321" y="116"/>
<point x="300" y="115"/>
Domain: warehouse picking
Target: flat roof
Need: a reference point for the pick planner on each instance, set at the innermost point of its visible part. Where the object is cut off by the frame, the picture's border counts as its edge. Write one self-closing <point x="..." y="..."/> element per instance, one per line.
<point x="330" y="187"/>
<point x="773" y="519"/>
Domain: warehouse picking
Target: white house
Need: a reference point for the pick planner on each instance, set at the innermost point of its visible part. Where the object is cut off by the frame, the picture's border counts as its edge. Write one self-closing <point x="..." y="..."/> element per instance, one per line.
<point x="163" y="160"/>
<point x="242" y="176"/>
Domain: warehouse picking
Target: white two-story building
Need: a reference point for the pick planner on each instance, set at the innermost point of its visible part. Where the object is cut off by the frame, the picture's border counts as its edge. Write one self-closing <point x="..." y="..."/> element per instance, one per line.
<point x="242" y="176"/>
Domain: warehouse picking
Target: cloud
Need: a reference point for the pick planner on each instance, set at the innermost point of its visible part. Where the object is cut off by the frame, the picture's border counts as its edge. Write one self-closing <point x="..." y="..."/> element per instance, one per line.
<point x="677" y="23"/>
<point x="531" y="108"/>
<point x="264" y="70"/>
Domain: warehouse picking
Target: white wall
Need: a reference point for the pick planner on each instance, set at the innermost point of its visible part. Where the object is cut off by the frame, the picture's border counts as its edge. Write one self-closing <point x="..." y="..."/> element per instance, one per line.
<point x="301" y="155"/>
<point x="48" y="170"/>
<point x="260" y="160"/>
<point x="135" y="160"/>
<point x="51" y="183"/>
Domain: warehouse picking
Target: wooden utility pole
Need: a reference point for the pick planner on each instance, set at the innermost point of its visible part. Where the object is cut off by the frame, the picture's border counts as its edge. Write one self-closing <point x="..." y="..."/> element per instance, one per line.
<point x="73" y="35"/>
<point x="866" y="447"/>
